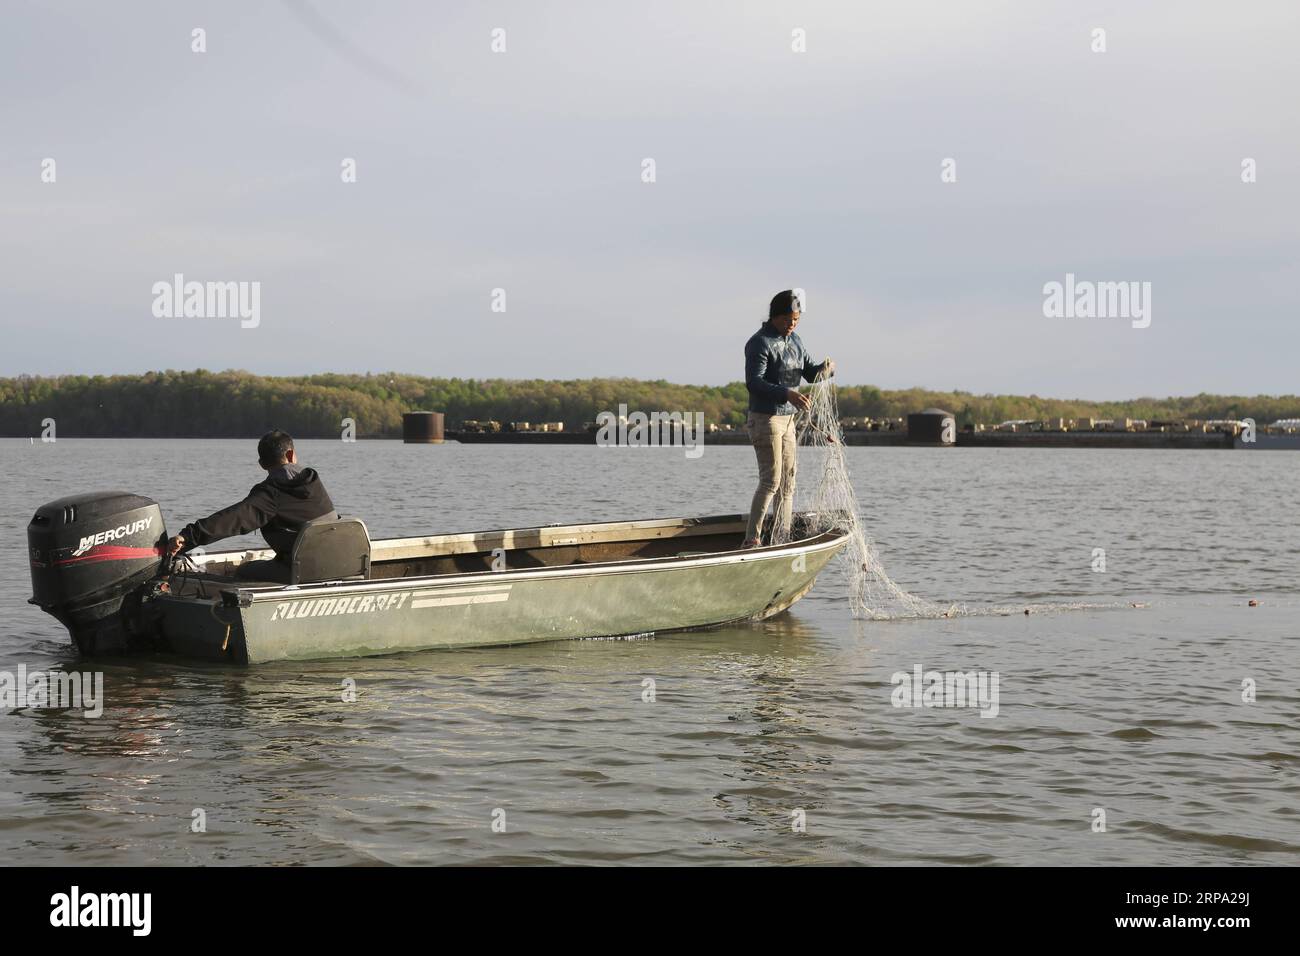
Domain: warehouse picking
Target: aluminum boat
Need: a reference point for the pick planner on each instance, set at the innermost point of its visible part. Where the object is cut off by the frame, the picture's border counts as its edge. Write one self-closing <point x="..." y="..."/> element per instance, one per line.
<point x="97" y="565"/>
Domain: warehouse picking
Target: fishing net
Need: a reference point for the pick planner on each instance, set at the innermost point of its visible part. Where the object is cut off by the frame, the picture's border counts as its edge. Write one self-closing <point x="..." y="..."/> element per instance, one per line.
<point x="872" y="593"/>
<point x="834" y="506"/>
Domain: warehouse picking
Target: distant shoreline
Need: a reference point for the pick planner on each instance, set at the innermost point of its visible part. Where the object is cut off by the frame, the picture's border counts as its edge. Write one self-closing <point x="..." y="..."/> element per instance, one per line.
<point x="899" y="439"/>
<point x="203" y="404"/>
<point x="987" y="439"/>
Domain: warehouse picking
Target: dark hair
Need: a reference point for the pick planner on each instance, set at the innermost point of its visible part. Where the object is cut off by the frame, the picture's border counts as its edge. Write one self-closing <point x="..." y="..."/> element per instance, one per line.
<point x="274" y="447"/>
<point x="784" y="303"/>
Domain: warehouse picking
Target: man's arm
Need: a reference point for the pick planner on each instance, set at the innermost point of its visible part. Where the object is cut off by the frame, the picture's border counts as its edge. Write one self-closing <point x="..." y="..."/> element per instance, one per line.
<point x="812" y="369"/>
<point x="248" y="515"/>
<point x="755" y="367"/>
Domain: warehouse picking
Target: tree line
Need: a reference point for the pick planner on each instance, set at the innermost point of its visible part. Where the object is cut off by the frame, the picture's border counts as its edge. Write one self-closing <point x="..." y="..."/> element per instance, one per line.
<point x="237" y="404"/>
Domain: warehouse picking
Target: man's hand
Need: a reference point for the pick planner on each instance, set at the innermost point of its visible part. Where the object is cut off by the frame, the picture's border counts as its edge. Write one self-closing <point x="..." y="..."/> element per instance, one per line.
<point x="828" y="368"/>
<point x="174" y="545"/>
<point x="797" y="398"/>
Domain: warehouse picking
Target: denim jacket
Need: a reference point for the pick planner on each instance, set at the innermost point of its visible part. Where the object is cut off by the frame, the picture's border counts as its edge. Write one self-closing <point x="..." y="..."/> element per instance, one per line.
<point x="774" y="363"/>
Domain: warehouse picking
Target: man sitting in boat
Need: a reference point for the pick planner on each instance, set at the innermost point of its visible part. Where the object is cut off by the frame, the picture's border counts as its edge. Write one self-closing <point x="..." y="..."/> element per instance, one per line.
<point x="279" y="506"/>
<point x="775" y="361"/>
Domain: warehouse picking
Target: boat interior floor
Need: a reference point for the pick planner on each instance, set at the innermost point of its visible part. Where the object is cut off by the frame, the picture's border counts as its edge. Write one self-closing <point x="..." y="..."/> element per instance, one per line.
<point x="206" y="584"/>
<point x="557" y="555"/>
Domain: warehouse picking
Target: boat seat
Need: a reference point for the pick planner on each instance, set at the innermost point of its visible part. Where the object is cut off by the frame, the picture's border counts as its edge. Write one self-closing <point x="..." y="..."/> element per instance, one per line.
<point x="330" y="549"/>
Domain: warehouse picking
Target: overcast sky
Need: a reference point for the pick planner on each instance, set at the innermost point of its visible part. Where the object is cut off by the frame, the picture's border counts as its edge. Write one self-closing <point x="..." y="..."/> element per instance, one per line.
<point x="522" y="170"/>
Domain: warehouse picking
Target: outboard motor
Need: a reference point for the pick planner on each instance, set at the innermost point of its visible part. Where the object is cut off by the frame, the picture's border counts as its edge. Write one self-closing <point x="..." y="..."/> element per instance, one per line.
<point x="90" y="554"/>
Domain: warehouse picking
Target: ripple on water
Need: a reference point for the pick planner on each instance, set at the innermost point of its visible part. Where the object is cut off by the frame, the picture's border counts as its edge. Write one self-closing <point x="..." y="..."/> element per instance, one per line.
<point x="1134" y="733"/>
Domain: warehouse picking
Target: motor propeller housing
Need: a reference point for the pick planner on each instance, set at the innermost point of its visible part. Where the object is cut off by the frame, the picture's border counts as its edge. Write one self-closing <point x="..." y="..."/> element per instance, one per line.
<point x="88" y="554"/>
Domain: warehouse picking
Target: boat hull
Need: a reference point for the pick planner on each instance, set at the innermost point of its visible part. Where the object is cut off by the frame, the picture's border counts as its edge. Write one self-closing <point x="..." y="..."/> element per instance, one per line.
<point x="487" y="608"/>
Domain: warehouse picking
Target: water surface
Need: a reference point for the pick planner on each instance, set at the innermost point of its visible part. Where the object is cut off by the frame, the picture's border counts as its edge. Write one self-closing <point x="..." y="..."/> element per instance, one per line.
<point x="1136" y="711"/>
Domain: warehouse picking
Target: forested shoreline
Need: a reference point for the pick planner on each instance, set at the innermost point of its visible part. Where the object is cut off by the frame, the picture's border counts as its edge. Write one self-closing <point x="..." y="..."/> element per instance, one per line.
<point x="236" y="404"/>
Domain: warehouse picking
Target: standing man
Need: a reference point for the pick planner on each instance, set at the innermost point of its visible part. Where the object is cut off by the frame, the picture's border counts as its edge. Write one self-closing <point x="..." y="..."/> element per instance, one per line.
<point x="775" y="362"/>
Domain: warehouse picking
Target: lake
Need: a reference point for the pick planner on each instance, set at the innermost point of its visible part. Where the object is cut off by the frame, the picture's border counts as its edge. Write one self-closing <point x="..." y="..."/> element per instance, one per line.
<point x="1172" y="723"/>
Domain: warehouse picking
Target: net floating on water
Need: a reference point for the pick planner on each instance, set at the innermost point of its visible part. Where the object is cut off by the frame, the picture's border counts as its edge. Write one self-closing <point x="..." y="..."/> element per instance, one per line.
<point x="834" y="506"/>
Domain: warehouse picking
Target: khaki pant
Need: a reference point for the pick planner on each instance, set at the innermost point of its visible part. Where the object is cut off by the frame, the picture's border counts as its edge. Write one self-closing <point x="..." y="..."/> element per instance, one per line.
<point x="774" y="444"/>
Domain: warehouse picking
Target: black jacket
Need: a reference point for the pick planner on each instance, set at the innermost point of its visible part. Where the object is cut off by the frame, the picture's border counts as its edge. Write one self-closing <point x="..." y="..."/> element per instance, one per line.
<point x="280" y="505"/>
